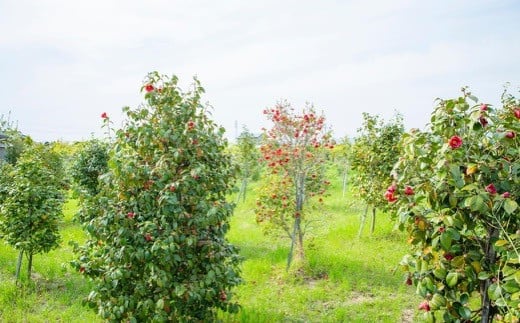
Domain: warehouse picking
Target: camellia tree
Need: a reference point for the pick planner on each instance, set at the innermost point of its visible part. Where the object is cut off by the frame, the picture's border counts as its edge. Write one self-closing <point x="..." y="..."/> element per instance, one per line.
<point x="157" y="249"/>
<point x="456" y="194"/>
<point x="32" y="202"/>
<point x="295" y="154"/>
<point x="372" y="157"/>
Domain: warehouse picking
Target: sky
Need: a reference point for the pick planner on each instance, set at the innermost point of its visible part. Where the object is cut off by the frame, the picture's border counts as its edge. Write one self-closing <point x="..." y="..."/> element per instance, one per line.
<point x="63" y="63"/>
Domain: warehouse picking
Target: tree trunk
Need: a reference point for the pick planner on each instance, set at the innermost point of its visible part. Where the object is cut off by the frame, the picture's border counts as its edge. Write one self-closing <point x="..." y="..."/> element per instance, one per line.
<point x="29" y="266"/>
<point x="344" y="183"/>
<point x="244" y="189"/>
<point x="487" y="308"/>
<point x="19" y="265"/>
<point x="373" y="224"/>
<point x="363" y="220"/>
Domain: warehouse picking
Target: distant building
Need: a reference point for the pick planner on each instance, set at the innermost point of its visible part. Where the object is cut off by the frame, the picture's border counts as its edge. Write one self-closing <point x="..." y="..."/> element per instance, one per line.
<point x="3" y="146"/>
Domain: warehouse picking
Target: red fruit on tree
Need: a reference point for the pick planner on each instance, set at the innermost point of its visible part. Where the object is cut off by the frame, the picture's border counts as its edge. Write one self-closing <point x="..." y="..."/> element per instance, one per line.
<point x="483" y="107"/>
<point x="149" y="88"/>
<point x="506" y="195"/>
<point x="510" y="134"/>
<point x="517" y="113"/>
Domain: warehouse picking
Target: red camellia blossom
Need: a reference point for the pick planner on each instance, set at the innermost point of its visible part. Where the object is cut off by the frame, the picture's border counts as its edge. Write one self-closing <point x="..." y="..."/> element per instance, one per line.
<point x="104" y="115"/>
<point x="517" y="113"/>
<point x="483" y="107"/>
<point x="510" y="134"/>
<point x="130" y="215"/>
<point x="455" y="142"/>
<point x="149" y="88"/>
<point x="506" y="195"/>
<point x="408" y="190"/>
<point x="389" y="194"/>
<point x="491" y="189"/>
<point x="425" y="306"/>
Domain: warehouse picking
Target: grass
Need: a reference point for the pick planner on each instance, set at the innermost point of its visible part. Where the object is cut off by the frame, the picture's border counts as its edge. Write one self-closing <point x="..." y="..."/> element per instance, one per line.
<point x="344" y="279"/>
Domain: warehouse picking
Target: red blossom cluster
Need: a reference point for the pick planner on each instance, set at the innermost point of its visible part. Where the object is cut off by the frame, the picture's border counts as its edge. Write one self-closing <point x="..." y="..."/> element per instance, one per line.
<point x="390" y="194"/>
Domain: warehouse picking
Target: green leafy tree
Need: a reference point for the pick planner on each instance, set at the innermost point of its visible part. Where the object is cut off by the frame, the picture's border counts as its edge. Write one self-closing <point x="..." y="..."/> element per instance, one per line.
<point x="340" y="156"/>
<point x="374" y="153"/>
<point x="90" y="162"/>
<point x="32" y="205"/>
<point x="247" y="157"/>
<point x="157" y="249"/>
<point x="456" y="195"/>
<point x="295" y="154"/>
<point x="14" y="142"/>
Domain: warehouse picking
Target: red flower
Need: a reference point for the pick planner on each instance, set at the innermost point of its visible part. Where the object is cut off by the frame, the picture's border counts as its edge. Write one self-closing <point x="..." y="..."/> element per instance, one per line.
<point x="517" y="113"/>
<point x="510" y="134"/>
<point x="191" y="125"/>
<point x="425" y="306"/>
<point x="149" y="88"/>
<point x="389" y="194"/>
<point x="455" y="142"/>
<point x="448" y="256"/>
<point x="483" y="107"/>
<point x="408" y="190"/>
<point x="491" y="189"/>
<point x="104" y="115"/>
<point x="506" y="195"/>
<point x="483" y="121"/>
<point x="130" y="215"/>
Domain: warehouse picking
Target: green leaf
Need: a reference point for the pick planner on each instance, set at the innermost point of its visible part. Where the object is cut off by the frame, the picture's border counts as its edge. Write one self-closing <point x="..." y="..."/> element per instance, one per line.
<point x="160" y="304"/>
<point x="457" y="176"/>
<point x="451" y="279"/>
<point x="483" y="275"/>
<point x="464" y="312"/>
<point x="501" y="243"/>
<point x="476" y="203"/>
<point x="510" y="206"/>
<point x="446" y="241"/>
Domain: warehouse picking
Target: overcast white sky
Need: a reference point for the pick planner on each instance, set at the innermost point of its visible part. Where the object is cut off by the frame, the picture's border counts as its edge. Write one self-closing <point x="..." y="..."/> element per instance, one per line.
<point x="63" y="63"/>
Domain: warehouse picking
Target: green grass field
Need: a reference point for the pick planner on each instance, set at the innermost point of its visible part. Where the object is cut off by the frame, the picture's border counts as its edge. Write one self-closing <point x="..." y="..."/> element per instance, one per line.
<point x="346" y="278"/>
